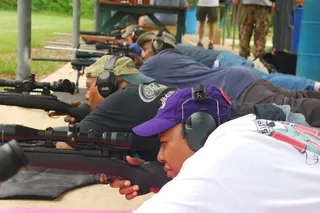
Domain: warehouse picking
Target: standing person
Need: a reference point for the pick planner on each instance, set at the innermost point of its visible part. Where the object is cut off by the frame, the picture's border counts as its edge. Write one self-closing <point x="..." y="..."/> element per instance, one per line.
<point x="207" y="9"/>
<point x="254" y="15"/>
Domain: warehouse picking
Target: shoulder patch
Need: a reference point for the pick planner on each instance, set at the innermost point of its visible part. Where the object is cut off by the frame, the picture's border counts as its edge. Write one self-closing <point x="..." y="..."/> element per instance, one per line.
<point x="149" y="92"/>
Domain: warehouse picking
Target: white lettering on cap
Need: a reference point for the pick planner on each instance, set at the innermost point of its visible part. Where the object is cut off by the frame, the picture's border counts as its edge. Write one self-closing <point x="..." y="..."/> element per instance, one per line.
<point x="165" y="98"/>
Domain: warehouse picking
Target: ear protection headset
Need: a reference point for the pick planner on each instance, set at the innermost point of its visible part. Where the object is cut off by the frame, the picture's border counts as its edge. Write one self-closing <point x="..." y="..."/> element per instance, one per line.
<point x="200" y="124"/>
<point x="158" y="42"/>
<point x="138" y="31"/>
<point x="107" y="81"/>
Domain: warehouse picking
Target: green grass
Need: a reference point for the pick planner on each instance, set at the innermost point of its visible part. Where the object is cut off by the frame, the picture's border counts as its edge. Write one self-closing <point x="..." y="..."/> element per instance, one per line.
<point x="43" y="28"/>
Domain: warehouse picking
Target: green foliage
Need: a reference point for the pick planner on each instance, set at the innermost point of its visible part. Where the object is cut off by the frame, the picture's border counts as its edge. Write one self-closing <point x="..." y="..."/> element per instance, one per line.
<point x="8" y="4"/>
<point x="63" y="7"/>
<point x="43" y="28"/>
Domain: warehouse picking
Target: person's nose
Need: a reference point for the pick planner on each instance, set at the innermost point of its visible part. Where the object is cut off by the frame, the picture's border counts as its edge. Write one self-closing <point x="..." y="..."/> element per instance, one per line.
<point x="87" y="96"/>
<point x="143" y="54"/>
<point x="160" y="156"/>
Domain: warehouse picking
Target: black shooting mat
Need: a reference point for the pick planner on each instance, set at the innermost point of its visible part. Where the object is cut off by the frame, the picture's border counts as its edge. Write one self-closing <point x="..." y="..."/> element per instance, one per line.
<point x="44" y="184"/>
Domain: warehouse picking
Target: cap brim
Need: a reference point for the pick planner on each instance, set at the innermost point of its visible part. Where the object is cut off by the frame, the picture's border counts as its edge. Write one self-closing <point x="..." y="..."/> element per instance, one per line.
<point x="137" y="78"/>
<point x="144" y="38"/>
<point x="125" y="34"/>
<point x="153" y="127"/>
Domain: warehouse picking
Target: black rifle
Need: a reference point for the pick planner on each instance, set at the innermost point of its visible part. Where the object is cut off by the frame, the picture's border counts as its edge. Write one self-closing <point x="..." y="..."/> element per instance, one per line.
<point x="14" y="96"/>
<point x="112" y="46"/>
<point x="92" y="152"/>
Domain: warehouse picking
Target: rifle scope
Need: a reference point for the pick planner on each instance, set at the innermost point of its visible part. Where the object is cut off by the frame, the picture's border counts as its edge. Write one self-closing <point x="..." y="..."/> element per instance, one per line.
<point x="12" y="159"/>
<point x="80" y="54"/>
<point x="30" y="85"/>
<point x="73" y="137"/>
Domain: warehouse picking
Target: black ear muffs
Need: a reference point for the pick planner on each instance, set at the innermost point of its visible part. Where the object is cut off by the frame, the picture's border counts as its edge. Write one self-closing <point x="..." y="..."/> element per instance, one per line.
<point x="201" y="124"/>
<point x="107" y="81"/>
<point x="137" y="32"/>
<point x="157" y="42"/>
<point x="197" y="129"/>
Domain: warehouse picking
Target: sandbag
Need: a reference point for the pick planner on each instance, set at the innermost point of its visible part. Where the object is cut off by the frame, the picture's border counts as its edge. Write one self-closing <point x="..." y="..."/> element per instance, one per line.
<point x="44" y="184"/>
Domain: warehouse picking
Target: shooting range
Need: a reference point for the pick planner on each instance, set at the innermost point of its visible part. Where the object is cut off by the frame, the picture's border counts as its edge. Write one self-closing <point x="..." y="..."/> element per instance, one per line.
<point x="44" y="71"/>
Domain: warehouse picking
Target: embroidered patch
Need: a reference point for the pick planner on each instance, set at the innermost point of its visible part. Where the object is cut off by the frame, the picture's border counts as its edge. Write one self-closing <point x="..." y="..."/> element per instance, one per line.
<point x="149" y="92"/>
<point x="130" y="66"/>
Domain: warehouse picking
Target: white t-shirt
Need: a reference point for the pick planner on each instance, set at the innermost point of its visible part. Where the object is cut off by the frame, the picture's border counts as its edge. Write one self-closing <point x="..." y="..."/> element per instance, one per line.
<point x="258" y="2"/>
<point x="241" y="170"/>
<point x="208" y="3"/>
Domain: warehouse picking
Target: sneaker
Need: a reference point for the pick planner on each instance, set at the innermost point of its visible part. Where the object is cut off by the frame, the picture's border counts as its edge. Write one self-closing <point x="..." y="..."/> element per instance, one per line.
<point x="200" y="44"/>
<point x="210" y="46"/>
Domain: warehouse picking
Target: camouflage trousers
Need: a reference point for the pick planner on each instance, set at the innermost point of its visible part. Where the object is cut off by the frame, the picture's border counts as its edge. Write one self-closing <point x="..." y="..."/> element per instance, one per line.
<point x="253" y="18"/>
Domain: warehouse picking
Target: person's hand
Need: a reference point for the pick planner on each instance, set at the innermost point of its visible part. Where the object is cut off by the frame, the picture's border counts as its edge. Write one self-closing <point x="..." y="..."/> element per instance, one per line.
<point x="235" y="1"/>
<point x="124" y="186"/>
<point x="68" y="118"/>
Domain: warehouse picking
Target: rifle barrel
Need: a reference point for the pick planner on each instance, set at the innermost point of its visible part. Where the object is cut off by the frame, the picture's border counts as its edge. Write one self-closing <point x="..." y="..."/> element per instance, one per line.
<point x="59" y="43"/>
<point x="63" y="34"/>
<point x="52" y="59"/>
<point x="74" y="49"/>
<point x="94" y="33"/>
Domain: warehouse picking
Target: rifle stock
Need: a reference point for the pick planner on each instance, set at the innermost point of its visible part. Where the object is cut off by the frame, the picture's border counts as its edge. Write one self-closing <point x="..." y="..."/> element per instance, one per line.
<point x="99" y="38"/>
<point x="46" y="103"/>
<point x="149" y="174"/>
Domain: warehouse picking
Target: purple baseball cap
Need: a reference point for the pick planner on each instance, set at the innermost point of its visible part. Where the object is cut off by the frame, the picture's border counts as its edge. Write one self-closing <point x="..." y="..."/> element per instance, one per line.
<point x="170" y="113"/>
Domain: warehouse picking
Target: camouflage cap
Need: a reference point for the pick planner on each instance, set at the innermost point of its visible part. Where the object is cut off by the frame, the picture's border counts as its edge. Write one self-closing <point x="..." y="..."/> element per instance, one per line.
<point x="124" y="67"/>
<point x="149" y="36"/>
<point x="128" y="30"/>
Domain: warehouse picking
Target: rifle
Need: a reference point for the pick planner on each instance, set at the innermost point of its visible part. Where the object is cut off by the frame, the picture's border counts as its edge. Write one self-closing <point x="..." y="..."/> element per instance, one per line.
<point x="84" y="60"/>
<point x="93" y="153"/>
<point x="90" y="38"/>
<point x="46" y="101"/>
<point x="113" y="47"/>
<point x="114" y="32"/>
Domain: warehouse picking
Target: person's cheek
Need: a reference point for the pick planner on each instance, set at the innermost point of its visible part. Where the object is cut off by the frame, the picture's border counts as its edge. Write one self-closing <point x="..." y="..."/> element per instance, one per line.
<point x="91" y="98"/>
<point x="87" y="95"/>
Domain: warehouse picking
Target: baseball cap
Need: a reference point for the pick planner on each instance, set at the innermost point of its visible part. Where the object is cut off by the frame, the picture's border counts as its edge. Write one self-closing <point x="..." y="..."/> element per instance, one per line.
<point x="148" y="36"/>
<point x="128" y="30"/>
<point x="136" y="48"/>
<point x="170" y="113"/>
<point x="124" y="67"/>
